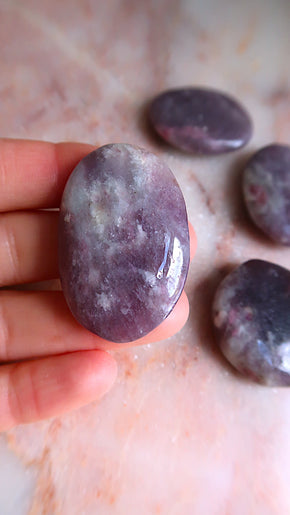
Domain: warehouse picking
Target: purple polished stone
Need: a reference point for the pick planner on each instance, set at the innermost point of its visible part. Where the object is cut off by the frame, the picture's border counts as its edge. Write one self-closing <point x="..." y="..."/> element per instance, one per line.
<point x="200" y="120"/>
<point x="123" y="242"/>
<point x="266" y="185"/>
<point x="251" y="313"/>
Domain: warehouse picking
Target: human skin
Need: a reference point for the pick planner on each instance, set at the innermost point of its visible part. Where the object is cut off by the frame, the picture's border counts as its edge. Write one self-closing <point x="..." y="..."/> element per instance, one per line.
<point x="180" y="432"/>
<point x="49" y="363"/>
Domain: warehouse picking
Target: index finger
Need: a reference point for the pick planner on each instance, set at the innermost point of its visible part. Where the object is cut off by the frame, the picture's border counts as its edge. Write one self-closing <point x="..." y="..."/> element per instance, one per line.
<point x="33" y="173"/>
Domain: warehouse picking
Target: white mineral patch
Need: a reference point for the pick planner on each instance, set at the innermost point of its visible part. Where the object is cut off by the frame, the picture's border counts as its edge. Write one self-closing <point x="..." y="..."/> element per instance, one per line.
<point x="94" y="276"/>
<point x="224" y="296"/>
<point x="142" y="164"/>
<point x="100" y="217"/>
<point x="67" y="217"/>
<point x="284" y="353"/>
<point x="149" y="277"/>
<point x="245" y="329"/>
<point x="75" y="195"/>
<point x="220" y="318"/>
<point x="261" y="177"/>
<point x="141" y="235"/>
<point x="104" y="301"/>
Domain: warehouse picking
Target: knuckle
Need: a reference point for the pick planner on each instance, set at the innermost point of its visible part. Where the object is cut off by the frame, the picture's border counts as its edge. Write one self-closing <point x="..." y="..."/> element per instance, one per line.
<point x="4" y="332"/>
<point x="11" y="252"/>
<point x="8" y="165"/>
<point x="6" y="160"/>
<point x="24" y="397"/>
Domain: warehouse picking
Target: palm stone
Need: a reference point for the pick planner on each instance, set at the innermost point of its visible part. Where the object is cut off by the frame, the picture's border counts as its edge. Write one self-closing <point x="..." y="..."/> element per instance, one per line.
<point x="266" y="187"/>
<point x="123" y="242"/>
<point x="251" y="313"/>
<point x="200" y="120"/>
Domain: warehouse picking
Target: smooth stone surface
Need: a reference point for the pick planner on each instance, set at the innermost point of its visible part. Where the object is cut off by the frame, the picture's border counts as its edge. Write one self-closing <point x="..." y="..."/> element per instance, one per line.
<point x="200" y="120"/>
<point x="251" y="312"/>
<point x="123" y="242"/>
<point x="177" y="424"/>
<point x="266" y="186"/>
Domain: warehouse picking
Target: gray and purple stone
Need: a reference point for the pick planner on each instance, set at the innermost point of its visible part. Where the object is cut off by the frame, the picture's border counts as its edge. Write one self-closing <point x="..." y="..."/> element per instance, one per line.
<point x="266" y="186"/>
<point x="251" y="313"/>
<point x="200" y="120"/>
<point x="123" y="242"/>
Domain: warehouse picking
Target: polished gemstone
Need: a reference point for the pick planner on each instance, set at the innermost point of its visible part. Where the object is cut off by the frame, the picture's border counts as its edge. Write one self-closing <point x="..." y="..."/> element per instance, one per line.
<point x="200" y="120"/>
<point x="123" y="242"/>
<point x="252" y="316"/>
<point x="266" y="185"/>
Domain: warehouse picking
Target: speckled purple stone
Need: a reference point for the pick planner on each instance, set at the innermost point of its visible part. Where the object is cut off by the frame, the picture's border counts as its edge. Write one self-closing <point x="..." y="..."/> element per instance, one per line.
<point x="251" y="313"/>
<point x="123" y="242"/>
<point x="266" y="186"/>
<point x="200" y="120"/>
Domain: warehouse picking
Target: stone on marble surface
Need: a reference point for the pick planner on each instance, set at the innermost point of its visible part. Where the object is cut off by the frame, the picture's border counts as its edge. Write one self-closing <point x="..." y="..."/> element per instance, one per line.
<point x="251" y="313"/>
<point x="123" y="242"/>
<point x="266" y="186"/>
<point x="200" y="120"/>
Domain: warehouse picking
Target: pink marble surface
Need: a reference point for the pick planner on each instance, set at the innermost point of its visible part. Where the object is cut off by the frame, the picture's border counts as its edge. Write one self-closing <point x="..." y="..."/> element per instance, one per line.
<point x="180" y="433"/>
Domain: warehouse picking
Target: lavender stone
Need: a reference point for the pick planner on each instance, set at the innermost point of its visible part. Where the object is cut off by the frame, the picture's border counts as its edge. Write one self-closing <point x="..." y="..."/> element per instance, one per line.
<point x="266" y="186"/>
<point x="123" y="242"/>
<point x="200" y="120"/>
<point x="252" y="317"/>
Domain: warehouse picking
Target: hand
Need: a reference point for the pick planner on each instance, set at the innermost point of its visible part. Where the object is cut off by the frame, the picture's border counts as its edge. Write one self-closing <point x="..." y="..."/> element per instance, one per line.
<point x="49" y="363"/>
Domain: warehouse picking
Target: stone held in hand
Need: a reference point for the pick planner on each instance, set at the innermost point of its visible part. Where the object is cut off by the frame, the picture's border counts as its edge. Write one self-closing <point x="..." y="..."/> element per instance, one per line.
<point x="200" y="120"/>
<point x="251" y="312"/>
<point x="266" y="188"/>
<point x="123" y="242"/>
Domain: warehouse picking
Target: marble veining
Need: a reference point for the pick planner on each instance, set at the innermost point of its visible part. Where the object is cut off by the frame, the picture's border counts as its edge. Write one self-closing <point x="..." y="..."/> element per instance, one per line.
<point x="178" y="423"/>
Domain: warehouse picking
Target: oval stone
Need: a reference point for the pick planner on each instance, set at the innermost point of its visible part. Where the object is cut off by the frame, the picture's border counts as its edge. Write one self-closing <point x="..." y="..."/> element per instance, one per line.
<point x="266" y="187"/>
<point x="123" y="242"/>
<point x="251" y="312"/>
<point x="200" y="120"/>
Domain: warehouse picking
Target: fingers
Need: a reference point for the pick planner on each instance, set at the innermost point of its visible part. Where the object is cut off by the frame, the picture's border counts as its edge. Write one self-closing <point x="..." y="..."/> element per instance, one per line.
<point x="40" y="389"/>
<point x="28" y="247"/>
<point x="35" y="324"/>
<point x="33" y="173"/>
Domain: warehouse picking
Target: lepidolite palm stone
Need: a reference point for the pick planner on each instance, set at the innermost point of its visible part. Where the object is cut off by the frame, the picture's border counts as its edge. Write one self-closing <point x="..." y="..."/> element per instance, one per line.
<point x="123" y="242"/>
<point x="200" y="120"/>
<point x="252" y="316"/>
<point x="266" y="185"/>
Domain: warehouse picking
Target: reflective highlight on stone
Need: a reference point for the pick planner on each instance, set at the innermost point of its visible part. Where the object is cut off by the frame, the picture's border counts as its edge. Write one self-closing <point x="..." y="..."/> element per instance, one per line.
<point x="266" y="186"/>
<point x="123" y="242"/>
<point x="200" y="120"/>
<point x="251" y="313"/>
